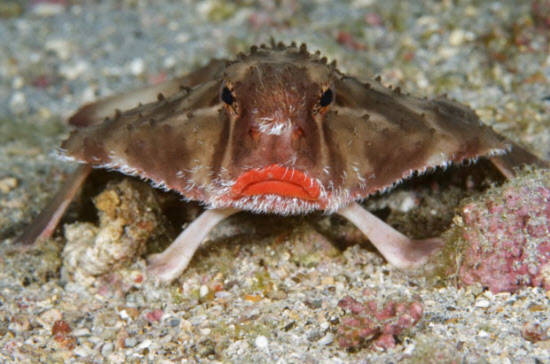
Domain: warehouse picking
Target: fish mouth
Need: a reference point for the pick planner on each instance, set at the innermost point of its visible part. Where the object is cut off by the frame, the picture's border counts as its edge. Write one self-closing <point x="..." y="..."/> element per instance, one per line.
<point x="276" y="180"/>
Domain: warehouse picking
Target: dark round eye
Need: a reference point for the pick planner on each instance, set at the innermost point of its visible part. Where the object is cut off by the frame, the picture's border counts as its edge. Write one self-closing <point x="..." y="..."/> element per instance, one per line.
<point x="227" y="96"/>
<point x="326" y="98"/>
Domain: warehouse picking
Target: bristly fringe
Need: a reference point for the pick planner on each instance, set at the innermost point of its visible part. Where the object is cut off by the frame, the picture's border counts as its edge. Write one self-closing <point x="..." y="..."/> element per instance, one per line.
<point x="444" y="165"/>
<point x="331" y="198"/>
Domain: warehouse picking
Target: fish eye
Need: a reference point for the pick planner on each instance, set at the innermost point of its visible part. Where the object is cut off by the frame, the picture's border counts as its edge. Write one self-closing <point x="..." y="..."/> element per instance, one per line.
<point x="326" y="98"/>
<point x="227" y="96"/>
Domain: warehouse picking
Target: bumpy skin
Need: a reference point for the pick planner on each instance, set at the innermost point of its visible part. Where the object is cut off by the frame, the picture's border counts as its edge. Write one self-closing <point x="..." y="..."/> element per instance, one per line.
<point x="267" y="112"/>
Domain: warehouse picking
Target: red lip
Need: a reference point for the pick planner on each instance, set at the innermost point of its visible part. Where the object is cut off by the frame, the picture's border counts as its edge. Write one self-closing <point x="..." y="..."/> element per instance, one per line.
<point x="276" y="180"/>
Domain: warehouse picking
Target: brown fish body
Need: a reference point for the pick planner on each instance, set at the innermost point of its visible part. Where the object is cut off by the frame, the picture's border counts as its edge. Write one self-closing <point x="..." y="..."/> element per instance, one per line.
<point x="273" y="115"/>
<point x="278" y="131"/>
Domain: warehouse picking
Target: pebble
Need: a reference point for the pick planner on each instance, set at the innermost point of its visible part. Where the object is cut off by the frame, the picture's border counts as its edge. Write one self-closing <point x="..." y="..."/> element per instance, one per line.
<point x="482" y="303"/>
<point x="203" y="291"/>
<point x="50" y="316"/>
<point x="107" y="348"/>
<point x="169" y="62"/>
<point x="19" y="323"/>
<point x="130" y="342"/>
<point x="409" y="349"/>
<point x="408" y="203"/>
<point x="182" y="37"/>
<point x="327" y="339"/>
<point x="47" y="9"/>
<point x="116" y="358"/>
<point x="313" y="335"/>
<point x="7" y="184"/>
<point x="17" y="82"/>
<point x="222" y="294"/>
<point x="457" y="37"/>
<point x="61" y="47"/>
<point x="174" y="322"/>
<point x="18" y="102"/>
<point x="88" y="94"/>
<point x="483" y="333"/>
<point x="81" y="332"/>
<point x="124" y="315"/>
<point x="137" y="66"/>
<point x="73" y="70"/>
<point x="144" y="344"/>
<point x="83" y="351"/>
<point x="261" y="342"/>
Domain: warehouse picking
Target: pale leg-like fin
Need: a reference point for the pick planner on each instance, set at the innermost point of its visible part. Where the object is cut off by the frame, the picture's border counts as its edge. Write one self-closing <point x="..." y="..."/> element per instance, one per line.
<point x="398" y="250"/>
<point x="169" y="264"/>
<point x="44" y="224"/>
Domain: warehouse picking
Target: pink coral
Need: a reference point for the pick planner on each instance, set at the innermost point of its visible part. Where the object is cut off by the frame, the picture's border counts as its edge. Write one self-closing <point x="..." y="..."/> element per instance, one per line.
<point x="380" y="324"/>
<point x="507" y="236"/>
